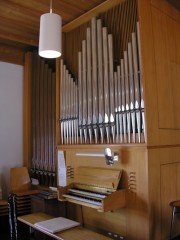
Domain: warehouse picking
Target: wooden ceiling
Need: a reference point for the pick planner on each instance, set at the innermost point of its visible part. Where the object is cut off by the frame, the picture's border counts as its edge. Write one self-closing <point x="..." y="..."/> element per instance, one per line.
<point x="20" y="19"/>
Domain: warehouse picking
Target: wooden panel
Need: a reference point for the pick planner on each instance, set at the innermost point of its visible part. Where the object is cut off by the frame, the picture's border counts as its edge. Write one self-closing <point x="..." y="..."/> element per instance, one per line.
<point x="156" y="133"/>
<point x="137" y="218"/>
<point x="167" y="60"/>
<point x="163" y="184"/>
<point x="27" y="114"/>
<point x="167" y="8"/>
<point x="110" y="221"/>
<point x="169" y="192"/>
<point x="108" y="178"/>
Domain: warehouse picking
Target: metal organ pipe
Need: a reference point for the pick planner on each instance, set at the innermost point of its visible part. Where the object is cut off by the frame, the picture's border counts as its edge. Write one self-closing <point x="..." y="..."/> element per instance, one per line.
<point x="108" y="99"/>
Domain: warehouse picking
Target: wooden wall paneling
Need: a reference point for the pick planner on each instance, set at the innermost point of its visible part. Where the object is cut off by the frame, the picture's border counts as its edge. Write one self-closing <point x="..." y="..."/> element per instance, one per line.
<point x="167" y="8"/>
<point x="154" y="185"/>
<point x="135" y="164"/>
<point x="27" y="147"/>
<point x="163" y="184"/>
<point x="112" y="221"/>
<point x="154" y="78"/>
<point x="168" y="191"/>
<point x="167" y="56"/>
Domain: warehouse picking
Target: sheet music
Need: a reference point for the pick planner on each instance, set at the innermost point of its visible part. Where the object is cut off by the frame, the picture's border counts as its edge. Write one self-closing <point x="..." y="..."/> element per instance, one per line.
<point x="61" y="169"/>
<point x="56" y="224"/>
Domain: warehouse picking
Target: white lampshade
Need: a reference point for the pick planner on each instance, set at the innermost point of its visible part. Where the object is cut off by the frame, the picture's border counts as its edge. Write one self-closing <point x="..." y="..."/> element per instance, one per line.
<point x="50" y="35"/>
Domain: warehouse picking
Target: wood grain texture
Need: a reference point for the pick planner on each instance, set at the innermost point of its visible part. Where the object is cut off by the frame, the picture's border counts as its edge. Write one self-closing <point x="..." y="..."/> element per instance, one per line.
<point x="160" y="73"/>
<point x="163" y="168"/>
<point x="167" y="60"/>
<point x="11" y="54"/>
<point x="27" y="143"/>
<point x="20" y="20"/>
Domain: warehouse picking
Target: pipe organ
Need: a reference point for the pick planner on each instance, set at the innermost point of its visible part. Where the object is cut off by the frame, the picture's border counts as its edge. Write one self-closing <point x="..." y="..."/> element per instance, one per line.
<point x="101" y="100"/>
<point x="105" y="104"/>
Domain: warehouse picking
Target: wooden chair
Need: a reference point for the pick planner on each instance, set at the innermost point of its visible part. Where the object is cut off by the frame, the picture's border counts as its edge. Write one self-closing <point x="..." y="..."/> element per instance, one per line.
<point x="175" y="210"/>
<point x="19" y="199"/>
<point x="20" y="182"/>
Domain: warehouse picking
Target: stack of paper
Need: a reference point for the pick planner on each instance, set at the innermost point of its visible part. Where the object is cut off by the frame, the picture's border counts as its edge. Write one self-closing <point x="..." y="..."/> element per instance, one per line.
<point x="56" y="224"/>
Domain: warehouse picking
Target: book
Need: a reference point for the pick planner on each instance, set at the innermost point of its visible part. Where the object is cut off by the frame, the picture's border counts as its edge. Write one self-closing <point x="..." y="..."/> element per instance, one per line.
<point x="56" y="224"/>
<point x="47" y="196"/>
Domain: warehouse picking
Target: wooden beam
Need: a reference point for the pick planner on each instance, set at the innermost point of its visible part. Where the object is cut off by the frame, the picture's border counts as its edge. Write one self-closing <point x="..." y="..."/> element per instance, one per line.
<point x="27" y="113"/>
<point x="11" y="55"/>
<point x="92" y="13"/>
<point x="19" y="38"/>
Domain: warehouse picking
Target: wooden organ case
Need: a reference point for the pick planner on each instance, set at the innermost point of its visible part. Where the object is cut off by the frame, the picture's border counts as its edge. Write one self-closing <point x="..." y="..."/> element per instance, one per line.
<point x="147" y="163"/>
<point x="149" y="152"/>
<point x="101" y="105"/>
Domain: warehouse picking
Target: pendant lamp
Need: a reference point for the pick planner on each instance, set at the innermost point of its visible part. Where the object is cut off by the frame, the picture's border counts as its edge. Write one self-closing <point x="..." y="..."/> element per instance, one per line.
<point x="50" y="35"/>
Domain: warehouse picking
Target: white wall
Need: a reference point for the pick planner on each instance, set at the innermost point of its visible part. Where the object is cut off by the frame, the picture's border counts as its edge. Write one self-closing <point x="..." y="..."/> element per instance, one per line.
<point x="11" y="121"/>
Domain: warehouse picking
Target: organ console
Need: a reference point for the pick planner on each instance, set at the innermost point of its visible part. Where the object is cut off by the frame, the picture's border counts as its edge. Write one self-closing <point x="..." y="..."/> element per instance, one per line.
<point x="96" y="188"/>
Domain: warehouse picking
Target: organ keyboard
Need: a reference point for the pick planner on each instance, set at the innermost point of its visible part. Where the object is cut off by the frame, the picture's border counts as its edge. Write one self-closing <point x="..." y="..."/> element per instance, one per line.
<point x="96" y="188"/>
